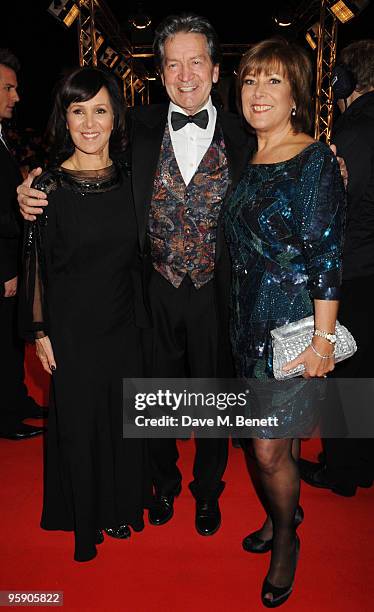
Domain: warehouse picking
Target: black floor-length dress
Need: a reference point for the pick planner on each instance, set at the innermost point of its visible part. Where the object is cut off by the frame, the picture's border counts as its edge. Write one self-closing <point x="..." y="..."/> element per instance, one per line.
<point x="79" y="290"/>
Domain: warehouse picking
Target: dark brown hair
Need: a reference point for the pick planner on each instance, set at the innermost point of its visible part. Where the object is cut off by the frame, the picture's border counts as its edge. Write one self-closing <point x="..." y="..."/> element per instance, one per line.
<point x="80" y="86"/>
<point x="358" y="57"/>
<point x="280" y="55"/>
<point x="8" y="59"/>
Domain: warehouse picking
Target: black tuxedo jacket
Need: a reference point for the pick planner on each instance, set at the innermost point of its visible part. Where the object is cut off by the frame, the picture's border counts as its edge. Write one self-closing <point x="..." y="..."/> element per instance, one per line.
<point x="146" y="131"/>
<point x="10" y="228"/>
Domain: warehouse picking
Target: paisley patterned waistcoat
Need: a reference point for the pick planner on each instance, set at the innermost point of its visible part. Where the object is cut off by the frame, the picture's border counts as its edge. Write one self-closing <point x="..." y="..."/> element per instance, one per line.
<point x="183" y="219"/>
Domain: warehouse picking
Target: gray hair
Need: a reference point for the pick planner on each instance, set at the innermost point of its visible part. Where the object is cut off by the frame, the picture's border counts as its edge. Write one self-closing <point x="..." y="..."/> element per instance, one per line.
<point x="358" y="57"/>
<point x="188" y="23"/>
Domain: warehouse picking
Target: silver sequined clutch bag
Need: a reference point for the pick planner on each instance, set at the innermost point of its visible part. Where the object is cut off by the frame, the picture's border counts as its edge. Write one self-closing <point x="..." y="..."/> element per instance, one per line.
<point x="292" y="339"/>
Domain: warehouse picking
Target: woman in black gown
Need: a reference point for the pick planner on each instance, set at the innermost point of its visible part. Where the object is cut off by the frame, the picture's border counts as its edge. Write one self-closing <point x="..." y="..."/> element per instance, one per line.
<point x="78" y="305"/>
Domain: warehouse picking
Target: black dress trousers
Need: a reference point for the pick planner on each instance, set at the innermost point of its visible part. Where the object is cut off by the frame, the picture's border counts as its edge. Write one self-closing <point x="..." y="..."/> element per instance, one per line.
<point x="185" y="345"/>
<point x="14" y="399"/>
<point x="13" y="390"/>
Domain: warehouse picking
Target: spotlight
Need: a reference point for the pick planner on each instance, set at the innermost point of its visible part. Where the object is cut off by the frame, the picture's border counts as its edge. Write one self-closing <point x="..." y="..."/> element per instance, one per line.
<point x="312" y="35"/>
<point x="140" y="20"/>
<point x="347" y="10"/>
<point x="64" y="10"/>
<point x="284" y="16"/>
<point x="71" y="16"/>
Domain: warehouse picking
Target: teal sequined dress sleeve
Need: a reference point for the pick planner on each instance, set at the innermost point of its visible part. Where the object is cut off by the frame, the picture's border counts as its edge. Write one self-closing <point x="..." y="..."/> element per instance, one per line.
<point x="284" y="225"/>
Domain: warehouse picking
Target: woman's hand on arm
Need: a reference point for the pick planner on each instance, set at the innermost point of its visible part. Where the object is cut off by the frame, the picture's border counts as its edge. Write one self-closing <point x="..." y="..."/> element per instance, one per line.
<point x="318" y="359"/>
<point x="10" y="287"/>
<point x="45" y="353"/>
<point x="31" y="200"/>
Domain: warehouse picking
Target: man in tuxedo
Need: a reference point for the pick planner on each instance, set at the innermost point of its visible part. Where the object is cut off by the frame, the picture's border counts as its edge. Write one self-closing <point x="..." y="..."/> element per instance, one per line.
<point x="185" y="157"/>
<point x="16" y="405"/>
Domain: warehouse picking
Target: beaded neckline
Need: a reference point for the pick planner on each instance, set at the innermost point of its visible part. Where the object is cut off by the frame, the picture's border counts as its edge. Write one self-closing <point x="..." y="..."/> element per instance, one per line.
<point x="91" y="181"/>
<point x="95" y="175"/>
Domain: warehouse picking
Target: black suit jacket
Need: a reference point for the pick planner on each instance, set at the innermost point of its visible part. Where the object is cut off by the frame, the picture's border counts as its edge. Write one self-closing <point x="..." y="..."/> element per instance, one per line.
<point x="10" y="224"/>
<point x="354" y="138"/>
<point x="146" y="131"/>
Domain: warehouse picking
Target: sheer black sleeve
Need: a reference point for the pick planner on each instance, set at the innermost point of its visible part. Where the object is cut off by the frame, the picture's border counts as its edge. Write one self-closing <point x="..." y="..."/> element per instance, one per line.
<point x="38" y="235"/>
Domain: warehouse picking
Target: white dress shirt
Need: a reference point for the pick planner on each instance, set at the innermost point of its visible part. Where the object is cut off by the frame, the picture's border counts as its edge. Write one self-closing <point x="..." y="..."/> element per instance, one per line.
<point x="191" y="142"/>
<point x="1" y="136"/>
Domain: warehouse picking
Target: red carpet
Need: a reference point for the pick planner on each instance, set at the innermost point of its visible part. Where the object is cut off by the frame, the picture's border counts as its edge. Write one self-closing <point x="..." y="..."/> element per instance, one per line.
<point x="172" y="567"/>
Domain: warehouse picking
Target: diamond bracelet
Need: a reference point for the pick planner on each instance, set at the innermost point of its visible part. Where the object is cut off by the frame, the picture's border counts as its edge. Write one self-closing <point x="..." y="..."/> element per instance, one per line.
<point x="319" y="354"/>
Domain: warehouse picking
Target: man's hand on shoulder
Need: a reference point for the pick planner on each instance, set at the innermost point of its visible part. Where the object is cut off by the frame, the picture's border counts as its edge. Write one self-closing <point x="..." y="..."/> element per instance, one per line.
<point x="31" y="200"/>
<point x="342" y="166"/>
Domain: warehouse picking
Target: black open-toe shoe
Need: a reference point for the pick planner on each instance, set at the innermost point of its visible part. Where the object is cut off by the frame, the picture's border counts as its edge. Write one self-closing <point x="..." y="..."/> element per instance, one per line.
<point x="254" y="544"/>
<point x="121" y="533"/>
<point x="279" y="594"/>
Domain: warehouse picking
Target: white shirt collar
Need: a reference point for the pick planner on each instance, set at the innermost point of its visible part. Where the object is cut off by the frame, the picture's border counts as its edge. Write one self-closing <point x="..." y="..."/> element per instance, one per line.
<point x="1" y="135"/>
<point x="208" y="106"/>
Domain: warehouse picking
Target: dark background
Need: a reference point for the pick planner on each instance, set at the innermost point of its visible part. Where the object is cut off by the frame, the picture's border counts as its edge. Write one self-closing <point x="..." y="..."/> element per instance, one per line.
<point x="47" y="49"/>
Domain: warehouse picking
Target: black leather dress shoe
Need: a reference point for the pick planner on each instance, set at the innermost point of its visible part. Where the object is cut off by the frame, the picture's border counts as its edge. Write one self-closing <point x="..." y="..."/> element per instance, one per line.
<point x="236" y="442"/>
<point x="208" y="517"/>
<point x="162" y="509"/>
<point x="121" y="533"/>
<point x="317" y="475"/>
<point x="22" y="432"/>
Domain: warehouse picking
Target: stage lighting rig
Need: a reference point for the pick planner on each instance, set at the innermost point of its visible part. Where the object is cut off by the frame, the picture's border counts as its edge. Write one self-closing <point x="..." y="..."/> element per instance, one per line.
<point x="65" y="11"/>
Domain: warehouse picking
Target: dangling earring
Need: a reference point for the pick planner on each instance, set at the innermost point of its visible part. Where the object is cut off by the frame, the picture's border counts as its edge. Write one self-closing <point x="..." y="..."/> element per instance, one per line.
<point x="293" y="112"/>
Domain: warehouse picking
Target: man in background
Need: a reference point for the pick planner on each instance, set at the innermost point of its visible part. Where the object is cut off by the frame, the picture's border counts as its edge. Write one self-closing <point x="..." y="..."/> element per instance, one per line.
<point x="15" y="403"/>
<point x="349" y="463"/>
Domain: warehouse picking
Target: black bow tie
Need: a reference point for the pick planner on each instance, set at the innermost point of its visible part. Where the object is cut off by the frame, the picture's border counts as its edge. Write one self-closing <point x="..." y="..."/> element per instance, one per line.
<point x="178" y="120"/>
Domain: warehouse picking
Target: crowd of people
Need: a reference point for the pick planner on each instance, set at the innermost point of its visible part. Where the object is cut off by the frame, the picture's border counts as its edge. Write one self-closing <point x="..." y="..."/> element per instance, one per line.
<point x="16" y="403"/>
<point x="28" y="148"/>
<point x="168" y="243"/>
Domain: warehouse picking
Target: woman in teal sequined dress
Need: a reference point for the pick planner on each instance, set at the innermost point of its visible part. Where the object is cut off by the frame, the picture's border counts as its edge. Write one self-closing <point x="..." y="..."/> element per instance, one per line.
<point x="284" y="226"/>
<point x="285" y="241"/>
